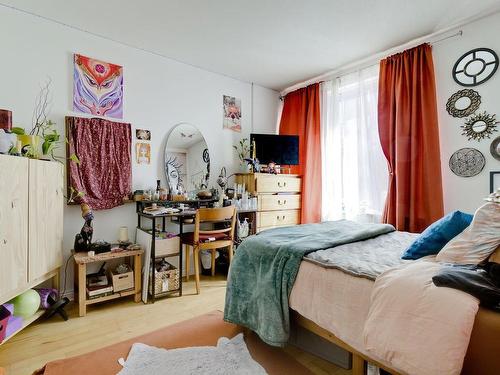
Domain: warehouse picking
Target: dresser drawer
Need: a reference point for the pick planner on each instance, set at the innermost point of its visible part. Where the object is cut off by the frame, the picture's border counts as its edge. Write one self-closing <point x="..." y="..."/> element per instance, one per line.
<point x="277" y="184"/>
<point x="279" y="202"/>
<point x="279" y="218"/>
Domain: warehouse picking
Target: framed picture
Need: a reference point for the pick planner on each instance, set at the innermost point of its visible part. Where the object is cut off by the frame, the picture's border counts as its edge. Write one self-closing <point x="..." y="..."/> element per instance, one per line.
<point x="142" y="153"/>
<point x="97" y="87"/>
<point x="494" y="181"/>
<point x="232" y="113"/>
<point x="142" y="134"/>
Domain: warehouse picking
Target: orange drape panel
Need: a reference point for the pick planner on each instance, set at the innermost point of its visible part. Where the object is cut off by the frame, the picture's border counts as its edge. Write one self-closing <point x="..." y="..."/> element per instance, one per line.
<point x="409" y="134"/>
<point x="301" y="116"/>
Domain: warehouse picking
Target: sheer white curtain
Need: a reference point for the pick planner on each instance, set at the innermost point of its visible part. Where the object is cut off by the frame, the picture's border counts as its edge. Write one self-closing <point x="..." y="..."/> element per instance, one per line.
<point x="355" y="173"/>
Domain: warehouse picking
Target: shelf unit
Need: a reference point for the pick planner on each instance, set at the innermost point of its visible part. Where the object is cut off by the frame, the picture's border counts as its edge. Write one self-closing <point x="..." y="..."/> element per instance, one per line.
<point x="81" y="261"/>
<point x="177" y="218"/>
<point x="152" y="270"/>
<point x="26" y="322"/>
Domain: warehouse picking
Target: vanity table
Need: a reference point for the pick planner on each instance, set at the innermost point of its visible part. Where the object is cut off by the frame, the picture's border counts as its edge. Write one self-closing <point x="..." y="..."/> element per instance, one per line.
<point x="187" y="170"/>
<point x="178" y="218"/>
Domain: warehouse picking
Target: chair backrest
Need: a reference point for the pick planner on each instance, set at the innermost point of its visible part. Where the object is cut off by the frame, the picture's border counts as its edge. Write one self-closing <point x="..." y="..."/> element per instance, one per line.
<point x="214" y="215"/>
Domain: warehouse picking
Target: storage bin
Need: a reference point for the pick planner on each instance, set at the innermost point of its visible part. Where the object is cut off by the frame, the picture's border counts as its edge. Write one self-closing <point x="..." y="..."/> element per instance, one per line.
<point x="122" y="281"/>
<point x="167" y="246"/>
<point x="163" y="247"/>
<point x="165" y="281"/>
<point x="4" y="318"/>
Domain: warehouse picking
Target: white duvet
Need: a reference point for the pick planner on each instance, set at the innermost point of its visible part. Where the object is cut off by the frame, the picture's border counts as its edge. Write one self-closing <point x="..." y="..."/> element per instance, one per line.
<point x="416" y="327"/>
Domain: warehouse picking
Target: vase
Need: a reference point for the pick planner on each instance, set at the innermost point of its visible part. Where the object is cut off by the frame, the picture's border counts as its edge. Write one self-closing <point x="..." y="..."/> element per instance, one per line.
<point x="243" y="168"/>
<point x="30" y="145"/>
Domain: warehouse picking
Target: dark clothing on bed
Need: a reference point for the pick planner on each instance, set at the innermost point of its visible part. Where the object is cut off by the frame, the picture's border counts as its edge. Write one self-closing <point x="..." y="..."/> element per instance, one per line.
<point x="481" y="282"/>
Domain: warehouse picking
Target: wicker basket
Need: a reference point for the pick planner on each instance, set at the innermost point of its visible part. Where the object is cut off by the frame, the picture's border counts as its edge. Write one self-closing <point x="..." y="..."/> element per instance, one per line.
<point x="165" y="281"/>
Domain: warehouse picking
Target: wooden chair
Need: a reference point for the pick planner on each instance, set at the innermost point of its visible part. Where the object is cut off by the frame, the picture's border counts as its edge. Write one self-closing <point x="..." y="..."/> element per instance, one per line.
<point x="209" y="239"/>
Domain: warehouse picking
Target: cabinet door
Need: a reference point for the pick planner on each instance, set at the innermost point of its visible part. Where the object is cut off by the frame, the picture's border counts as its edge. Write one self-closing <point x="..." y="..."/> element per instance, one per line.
<point x="13" y="225"/>
<point x="46" y="204"/>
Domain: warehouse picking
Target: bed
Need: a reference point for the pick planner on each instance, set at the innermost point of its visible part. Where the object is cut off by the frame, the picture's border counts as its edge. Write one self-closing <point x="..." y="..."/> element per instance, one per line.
<point x="331" y="295"/>
<point x="334" y="305"/>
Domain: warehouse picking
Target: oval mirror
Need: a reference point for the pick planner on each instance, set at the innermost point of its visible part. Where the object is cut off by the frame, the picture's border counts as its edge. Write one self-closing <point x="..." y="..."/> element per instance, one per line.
<point x="187" y="160"/>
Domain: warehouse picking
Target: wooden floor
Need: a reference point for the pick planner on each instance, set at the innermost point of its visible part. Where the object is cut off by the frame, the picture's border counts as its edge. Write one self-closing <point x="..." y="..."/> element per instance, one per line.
<point x="118" y="320"/>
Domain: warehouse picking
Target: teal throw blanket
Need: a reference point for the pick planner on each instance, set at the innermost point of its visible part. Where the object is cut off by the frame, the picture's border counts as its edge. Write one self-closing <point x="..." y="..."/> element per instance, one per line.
<point x="265" y="266"/>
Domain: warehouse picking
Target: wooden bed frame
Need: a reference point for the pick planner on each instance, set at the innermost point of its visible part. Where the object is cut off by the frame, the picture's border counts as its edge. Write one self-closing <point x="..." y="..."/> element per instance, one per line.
<point x="358" y="359"/>
<point x="480" y="359"/>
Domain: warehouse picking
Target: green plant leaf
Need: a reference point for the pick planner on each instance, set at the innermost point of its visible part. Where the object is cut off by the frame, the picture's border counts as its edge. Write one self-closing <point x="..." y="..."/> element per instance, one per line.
<point x="19" y="131"/>
<point x="74" y="159"/>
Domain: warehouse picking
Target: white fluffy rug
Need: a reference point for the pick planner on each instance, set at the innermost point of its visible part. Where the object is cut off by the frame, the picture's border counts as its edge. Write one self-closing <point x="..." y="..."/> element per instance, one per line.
<point x="228" y="357"/>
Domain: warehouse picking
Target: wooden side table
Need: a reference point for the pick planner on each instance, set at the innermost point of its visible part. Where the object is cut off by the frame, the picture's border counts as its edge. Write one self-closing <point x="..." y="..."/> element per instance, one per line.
<point x="81" y="261"/>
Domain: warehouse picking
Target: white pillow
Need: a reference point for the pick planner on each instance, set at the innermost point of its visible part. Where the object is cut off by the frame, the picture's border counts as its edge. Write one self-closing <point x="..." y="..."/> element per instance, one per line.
<point x="478" y="241"/>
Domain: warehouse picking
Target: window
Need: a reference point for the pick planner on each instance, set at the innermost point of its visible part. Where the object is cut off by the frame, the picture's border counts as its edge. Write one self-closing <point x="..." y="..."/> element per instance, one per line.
<point x="355" y="173"/>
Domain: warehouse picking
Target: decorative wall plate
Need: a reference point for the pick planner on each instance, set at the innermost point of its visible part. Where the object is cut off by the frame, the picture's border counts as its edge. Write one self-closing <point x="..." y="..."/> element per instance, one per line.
<point x="479" y="126"/>
<point x="467" y="162"/>
<point x="495" y="148"/>
<point x="475" y="67"/>
<point x="463" y="103"/>
<point x="206" y="156"/>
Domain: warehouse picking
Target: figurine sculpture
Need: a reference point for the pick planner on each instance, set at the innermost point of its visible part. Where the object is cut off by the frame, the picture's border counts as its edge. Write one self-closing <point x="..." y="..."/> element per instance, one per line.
<point x="84" y="238"/>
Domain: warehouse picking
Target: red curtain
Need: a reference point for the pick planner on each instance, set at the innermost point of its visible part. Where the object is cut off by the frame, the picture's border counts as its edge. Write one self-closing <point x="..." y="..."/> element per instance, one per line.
<point x="408" y="130"/>
<point x="104" y="173"/>
<point x="301" y="116"/>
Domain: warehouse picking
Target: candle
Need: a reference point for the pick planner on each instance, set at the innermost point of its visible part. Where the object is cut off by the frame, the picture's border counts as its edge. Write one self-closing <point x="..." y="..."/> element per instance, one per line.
<point x="123" y="236"/>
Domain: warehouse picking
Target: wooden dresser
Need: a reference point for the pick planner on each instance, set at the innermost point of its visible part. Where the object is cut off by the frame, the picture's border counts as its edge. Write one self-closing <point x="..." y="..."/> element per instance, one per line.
<point x="278" y="197"/>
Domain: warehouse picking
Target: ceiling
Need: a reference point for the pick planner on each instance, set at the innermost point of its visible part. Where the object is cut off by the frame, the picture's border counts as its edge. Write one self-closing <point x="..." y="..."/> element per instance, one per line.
<point x="271" y="43"/>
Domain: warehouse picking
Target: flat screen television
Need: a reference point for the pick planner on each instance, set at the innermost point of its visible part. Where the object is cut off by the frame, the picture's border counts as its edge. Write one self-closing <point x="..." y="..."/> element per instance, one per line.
<point x="280" y="149"/>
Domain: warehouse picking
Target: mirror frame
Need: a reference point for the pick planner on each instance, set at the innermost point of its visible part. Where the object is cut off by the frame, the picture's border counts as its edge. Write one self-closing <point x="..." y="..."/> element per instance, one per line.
<point x="490" y="126"/>
<point x="472" y="95"/>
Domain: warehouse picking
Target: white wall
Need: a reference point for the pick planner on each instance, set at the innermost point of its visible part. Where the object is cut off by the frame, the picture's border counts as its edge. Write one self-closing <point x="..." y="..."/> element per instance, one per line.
<point x="466" y="193"/>
<point x="158" y="93"/>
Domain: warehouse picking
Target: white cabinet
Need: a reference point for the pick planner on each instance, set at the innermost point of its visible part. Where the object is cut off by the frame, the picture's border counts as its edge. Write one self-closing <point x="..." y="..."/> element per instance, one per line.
<point x="13" y="225"/>
<point x="31" y="223"/>
<point x="46" y="204"/>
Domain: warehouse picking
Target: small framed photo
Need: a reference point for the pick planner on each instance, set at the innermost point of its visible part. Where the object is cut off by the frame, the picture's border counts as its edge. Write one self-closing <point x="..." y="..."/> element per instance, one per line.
<point x="494" y="181"/>
<point x="142" y="153"/>
<point x="142" y="134"/>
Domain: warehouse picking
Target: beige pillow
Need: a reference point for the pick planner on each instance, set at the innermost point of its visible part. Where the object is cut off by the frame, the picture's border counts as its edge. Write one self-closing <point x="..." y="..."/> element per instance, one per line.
<point x="478" y="241"/>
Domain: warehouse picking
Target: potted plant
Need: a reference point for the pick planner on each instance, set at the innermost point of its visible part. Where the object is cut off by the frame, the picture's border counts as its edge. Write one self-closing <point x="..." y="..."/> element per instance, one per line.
<point x="243" y="151"/>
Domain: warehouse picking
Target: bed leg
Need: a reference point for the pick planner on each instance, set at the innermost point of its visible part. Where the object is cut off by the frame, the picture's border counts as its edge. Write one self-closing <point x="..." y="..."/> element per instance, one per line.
<point x="358" y="365"/>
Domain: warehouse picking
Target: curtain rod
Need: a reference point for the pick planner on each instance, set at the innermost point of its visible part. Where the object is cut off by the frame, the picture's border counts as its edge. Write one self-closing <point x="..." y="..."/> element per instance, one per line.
<point x="365" y="62"/>
<point x="375" y="58"/>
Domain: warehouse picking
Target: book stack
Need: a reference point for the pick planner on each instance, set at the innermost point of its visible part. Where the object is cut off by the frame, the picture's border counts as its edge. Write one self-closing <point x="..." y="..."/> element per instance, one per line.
<point x="98" y="286"/>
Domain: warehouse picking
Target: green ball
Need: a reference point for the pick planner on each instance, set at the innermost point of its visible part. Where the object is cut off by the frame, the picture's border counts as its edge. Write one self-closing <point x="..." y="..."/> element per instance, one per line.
<point x="26" y="304"/>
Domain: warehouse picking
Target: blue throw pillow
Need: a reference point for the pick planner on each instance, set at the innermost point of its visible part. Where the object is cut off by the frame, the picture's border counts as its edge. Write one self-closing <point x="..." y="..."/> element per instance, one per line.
<point x="438" y="234"/>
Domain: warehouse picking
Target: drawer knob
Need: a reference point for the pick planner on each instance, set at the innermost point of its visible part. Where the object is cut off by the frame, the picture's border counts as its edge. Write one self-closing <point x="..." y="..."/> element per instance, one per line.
<point x="281" y="184"/>
<point x="4" y="242"/>
<point x="280" y="217"/>
<point x="281" y="203"/>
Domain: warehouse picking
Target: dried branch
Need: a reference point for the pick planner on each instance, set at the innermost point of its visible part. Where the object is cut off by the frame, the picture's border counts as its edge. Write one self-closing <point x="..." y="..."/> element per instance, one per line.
<point x="41" y="110"/>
